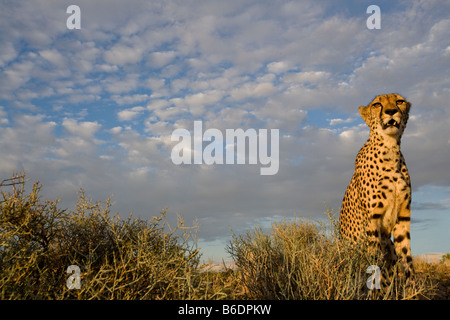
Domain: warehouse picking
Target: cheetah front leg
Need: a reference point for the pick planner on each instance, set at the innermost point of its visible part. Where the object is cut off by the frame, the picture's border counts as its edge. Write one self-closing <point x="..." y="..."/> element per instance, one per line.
<point x="374" y="229"/>
<point x="379" y="239"/>
<point x="402" y="238"/>
<point x="401" y="231"/>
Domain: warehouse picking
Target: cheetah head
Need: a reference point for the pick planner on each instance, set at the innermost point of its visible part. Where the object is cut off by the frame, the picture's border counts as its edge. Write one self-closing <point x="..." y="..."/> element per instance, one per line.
<point x="387" y="114"/>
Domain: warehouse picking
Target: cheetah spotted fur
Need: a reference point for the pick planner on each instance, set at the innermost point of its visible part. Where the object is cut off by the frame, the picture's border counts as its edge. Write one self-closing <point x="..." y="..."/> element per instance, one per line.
<point x="377" y="203"/>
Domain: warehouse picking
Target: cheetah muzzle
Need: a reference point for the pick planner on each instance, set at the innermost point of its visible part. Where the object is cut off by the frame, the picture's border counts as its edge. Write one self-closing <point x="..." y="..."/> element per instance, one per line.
<point x="377" y="203"/>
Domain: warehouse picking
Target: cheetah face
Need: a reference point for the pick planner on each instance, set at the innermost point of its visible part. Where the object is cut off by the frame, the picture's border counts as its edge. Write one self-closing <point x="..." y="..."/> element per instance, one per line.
<point x="386" y="114"/>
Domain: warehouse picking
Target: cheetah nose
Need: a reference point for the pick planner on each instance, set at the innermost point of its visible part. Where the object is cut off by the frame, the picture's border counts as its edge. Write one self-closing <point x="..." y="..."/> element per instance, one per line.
<point x="392" y="122"/>
<point x="390" y="112"/>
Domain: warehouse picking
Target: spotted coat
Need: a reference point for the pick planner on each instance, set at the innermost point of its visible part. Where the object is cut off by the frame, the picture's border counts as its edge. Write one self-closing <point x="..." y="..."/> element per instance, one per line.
<point x="377" y="203"/>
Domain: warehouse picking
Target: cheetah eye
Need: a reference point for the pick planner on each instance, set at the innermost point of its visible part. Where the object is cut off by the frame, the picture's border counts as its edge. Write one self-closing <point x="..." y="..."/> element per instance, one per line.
<point x="399" y="102"/>
<point x="377" y="104"/>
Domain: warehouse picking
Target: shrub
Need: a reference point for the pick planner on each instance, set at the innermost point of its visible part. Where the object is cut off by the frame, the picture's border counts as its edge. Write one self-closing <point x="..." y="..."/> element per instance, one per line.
<point x="305" y="260"/>
<point x="147" y="259"/>
<point x="118" y="259"/>
<point x="445" y="258"/>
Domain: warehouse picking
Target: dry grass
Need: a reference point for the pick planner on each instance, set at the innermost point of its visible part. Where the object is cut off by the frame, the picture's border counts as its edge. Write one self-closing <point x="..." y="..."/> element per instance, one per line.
<point x="305" y="260"/>
<point x="138" y="259"/>
<point x="118" y="259"/>
<point x="438" y="274"/>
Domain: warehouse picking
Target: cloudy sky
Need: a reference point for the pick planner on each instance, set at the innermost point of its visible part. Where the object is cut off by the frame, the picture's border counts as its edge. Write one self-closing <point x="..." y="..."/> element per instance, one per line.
<point x="95" y="108"/>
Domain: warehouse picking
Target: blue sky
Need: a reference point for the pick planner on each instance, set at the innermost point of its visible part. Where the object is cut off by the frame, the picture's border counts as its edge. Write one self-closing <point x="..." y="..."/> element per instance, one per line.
<point x="95" y="107"/>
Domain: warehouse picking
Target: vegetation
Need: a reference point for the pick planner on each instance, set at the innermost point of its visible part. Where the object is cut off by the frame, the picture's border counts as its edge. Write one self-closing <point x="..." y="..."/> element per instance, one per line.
<point x="138" y="259"/>
<point x="305" y="260"/>
<point x="118" y="259"/>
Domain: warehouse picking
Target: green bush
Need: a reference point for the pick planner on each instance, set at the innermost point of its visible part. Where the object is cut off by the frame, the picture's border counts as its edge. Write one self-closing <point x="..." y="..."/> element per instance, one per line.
<point x="118" y="259"/>
<point x="306" y="260"/>
<point x="445" y="258"/>
<point x="140" y="259"/>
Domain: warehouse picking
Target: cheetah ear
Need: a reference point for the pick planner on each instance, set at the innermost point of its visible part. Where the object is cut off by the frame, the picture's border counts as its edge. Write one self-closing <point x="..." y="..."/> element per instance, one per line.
<point x="364" y="111"/>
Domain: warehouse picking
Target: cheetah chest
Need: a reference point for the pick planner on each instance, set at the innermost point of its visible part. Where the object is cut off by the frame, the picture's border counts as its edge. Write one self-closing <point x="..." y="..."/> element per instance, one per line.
<point x="397" y="198"/>
<point x="391" y="193"/>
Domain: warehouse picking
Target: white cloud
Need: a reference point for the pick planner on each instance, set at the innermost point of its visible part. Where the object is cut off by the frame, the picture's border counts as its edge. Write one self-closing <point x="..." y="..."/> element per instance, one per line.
<point x="118" y="86"/>
<point x="252" y="90"/>
<point x="130" y="99"/>
<point x="338" y="121"/>
<point x="7" y="53"/>
<point x="280" y="116"/>
<point x="313" y="77"/>
<point x="68" y="148"/>
<point x="130" y="114"/>
<point x="54" y="57"/>
<point x="107" y="68"/>
<point x="122" y="55"/>
<point x="83" y="129"/>
<point x="28" y="139"/>
<point x="198" y="102"/>
<point x="16" y="76"/>
<point x="160" y="59"/>
<point x="116" y="130"/>
<point x="278" y="67"/>
<point x="350" y="135"/>
<point x="172" y="112"/>
<point x="157" y="104"/>
<point x="3" y="116"/>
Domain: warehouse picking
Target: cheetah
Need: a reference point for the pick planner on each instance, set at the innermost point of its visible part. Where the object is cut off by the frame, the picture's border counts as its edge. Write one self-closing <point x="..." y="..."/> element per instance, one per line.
<point x="377" y="203"/>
